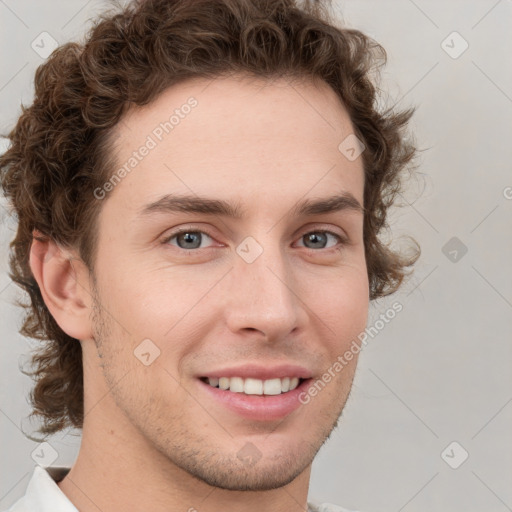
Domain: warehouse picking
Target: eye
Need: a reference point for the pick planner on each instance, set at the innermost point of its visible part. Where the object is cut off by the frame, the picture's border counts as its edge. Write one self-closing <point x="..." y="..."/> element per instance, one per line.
<point x="318" y="239"/>
<point x="187" y="239"/>
<point x="190" y="239"/>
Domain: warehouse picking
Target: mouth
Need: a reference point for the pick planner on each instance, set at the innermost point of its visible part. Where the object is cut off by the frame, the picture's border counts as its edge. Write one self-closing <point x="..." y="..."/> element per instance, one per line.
<point x="255" y="399"/>
<point x="250" y="386"/>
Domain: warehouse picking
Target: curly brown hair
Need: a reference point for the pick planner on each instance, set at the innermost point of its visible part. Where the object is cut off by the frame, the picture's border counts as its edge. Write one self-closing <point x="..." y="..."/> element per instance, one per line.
<point x="59" y="152"/>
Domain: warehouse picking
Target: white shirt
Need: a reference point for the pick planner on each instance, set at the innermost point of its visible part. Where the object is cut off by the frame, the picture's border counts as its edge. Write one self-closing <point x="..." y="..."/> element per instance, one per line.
<point x="44" y="495"/>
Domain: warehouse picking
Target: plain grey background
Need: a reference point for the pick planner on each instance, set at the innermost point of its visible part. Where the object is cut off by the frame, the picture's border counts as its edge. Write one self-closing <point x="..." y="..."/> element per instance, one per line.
<point x="440" y="372"/>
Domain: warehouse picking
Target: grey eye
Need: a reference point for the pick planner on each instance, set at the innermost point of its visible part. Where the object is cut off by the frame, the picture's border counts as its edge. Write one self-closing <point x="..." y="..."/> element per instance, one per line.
<point x="188" y="239"/>
<point x="318" y="239"/>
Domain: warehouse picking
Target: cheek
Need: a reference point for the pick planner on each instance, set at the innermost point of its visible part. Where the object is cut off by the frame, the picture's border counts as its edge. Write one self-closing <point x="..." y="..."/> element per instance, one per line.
<point x="159" y="314"/>
<point x="344" y="313"/>
<point x="151" y="304"/>
<point x="343" y="302"/>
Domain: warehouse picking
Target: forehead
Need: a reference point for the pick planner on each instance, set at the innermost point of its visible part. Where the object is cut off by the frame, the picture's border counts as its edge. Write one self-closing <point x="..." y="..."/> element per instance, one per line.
<point x="234" y="135"/>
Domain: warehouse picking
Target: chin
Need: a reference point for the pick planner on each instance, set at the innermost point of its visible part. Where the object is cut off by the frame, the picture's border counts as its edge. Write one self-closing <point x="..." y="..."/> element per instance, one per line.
<point x="236" y="477"/>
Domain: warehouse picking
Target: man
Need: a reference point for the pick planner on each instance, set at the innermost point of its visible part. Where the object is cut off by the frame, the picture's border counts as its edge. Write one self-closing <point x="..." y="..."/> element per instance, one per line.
<point x="200" y="188"/>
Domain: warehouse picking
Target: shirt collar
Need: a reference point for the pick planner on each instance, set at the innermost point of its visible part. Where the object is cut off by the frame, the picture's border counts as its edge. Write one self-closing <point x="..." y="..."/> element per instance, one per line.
<point x="44" y="495"/>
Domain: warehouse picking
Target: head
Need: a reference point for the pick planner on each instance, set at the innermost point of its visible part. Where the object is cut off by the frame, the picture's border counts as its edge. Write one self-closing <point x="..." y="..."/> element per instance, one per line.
<point x="258" y="106"/>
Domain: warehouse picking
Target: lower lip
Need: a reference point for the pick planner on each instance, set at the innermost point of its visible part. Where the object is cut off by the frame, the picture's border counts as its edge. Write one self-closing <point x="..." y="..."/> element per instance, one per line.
<point x="258" y="407"/>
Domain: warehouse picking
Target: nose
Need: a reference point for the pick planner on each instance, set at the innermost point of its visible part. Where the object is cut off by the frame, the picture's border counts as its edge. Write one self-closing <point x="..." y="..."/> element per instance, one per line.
<point x="261" y="296"/>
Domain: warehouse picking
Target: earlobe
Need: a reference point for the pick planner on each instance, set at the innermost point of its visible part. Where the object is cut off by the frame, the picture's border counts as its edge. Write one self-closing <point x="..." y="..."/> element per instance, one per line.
<point x="63" y="280"/>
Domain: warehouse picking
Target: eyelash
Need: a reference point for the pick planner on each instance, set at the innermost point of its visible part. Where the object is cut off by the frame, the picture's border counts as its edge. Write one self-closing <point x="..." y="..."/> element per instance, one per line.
<point x="341" y="240"/>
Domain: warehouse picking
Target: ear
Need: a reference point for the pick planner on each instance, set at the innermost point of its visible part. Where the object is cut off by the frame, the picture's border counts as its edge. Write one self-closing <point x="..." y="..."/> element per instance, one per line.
<point x="63" y="280"/>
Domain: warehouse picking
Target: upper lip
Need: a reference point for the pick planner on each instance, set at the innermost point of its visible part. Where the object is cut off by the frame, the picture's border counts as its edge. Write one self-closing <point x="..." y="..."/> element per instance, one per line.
<point x="253" y="371"/>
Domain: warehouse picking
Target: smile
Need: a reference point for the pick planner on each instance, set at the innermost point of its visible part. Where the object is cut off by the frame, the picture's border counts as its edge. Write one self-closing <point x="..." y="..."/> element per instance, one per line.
<point x="251" y="386"/>
<point x="257" y="399"/>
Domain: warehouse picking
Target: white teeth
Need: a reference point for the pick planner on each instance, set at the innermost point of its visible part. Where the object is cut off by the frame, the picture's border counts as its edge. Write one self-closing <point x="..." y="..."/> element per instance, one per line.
<point x="272" y="387"/>
<point x="252" y="386"/>
<point x="236" y="384"/>
<point x="255" y="386"/>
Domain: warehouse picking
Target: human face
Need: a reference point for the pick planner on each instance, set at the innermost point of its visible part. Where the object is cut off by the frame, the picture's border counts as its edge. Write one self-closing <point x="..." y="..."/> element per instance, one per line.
<point x="267" y="294"/>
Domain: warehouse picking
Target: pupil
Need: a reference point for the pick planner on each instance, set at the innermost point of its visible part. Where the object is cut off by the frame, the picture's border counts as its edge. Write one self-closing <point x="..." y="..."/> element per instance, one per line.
<point x="189" y="238"/>
<point x="315" y="238"/>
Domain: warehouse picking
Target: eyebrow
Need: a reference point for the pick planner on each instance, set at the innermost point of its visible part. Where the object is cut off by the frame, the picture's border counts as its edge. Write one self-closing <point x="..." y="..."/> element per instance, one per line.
<point x="193" y="204"/>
